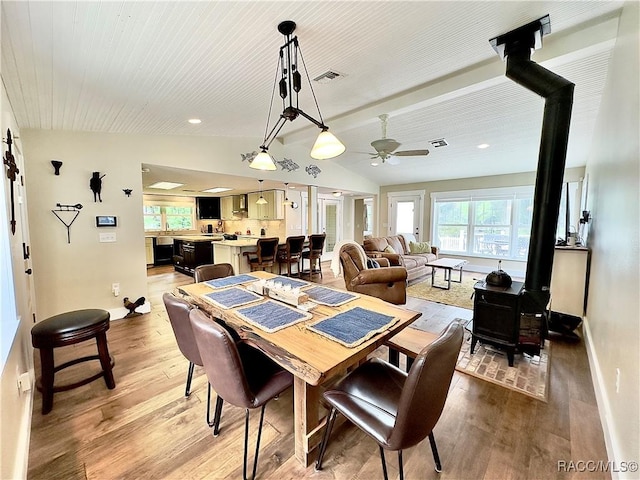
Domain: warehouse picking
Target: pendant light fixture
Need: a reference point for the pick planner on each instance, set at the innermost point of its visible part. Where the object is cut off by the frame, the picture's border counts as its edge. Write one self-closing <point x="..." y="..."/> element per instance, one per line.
<point x="261" y="200"/>
<point x="326" y="145"/>
<point x="287" y="202"/>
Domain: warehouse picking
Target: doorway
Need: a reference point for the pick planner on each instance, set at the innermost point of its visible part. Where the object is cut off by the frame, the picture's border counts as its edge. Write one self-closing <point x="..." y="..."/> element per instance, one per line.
<point x="406" y="213"/>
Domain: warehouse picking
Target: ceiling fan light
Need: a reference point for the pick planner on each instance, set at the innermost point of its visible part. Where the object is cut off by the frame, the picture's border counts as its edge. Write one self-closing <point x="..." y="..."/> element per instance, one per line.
<point x="263" y="161"/>
<point x="327" y="146"/>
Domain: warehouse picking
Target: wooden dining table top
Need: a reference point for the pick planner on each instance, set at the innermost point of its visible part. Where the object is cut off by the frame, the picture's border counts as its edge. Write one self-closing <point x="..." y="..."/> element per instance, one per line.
<point x="307" y="355"/>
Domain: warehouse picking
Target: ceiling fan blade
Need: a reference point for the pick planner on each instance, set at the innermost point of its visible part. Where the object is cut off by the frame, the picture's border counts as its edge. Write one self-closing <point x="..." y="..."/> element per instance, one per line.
<point x="411" y="153"/>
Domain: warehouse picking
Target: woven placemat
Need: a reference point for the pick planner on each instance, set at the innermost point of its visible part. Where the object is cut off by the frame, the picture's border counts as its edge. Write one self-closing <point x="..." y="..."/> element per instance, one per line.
<point x="272" y="316"/>
<point x="230" y="281"/>
<point x="352" y="327"/>
<point x="329" y="296"/>
<point x="232" y="297"/>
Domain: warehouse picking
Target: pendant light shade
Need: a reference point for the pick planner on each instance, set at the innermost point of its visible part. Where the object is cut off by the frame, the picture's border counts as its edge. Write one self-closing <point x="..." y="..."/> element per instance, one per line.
<point x="263" y="161"/>
<point x="327" y="146"/>
<point x="261" y="200"/>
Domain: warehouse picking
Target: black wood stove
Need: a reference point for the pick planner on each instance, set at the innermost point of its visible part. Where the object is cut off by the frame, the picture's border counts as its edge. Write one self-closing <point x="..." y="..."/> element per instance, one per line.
<point x="515" y="316"/>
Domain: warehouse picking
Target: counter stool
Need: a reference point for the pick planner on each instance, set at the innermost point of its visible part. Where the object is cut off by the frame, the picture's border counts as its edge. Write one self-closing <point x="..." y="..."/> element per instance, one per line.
<point x="67" y="329"/>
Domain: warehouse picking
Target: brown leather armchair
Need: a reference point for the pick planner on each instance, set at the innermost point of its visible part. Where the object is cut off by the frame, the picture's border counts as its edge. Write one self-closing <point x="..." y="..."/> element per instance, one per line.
<point x="386" y="283"/>
<point x="211" y="271"/>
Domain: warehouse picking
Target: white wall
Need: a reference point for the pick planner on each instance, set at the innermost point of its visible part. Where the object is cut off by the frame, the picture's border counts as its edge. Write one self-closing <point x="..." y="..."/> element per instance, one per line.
<point x="15" y="414"/>
<point x="613" y="310"/>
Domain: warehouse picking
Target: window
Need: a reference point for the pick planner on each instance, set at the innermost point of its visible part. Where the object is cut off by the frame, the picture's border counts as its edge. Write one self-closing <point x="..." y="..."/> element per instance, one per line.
<point x="486" y="223"/>
<point x="166" y="215"/>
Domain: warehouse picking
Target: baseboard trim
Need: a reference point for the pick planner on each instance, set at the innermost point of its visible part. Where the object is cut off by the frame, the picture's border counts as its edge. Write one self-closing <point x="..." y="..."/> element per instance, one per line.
<point x="602" y="399"/>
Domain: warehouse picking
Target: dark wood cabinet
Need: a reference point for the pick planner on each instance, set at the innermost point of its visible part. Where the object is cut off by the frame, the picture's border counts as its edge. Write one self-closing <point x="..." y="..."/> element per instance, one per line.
<point x="188" y="254"/>
<point x="208" y="208"/>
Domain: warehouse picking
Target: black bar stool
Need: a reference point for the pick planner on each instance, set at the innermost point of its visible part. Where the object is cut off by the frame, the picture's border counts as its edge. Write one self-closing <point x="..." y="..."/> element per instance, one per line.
<point x="67" y="329"/>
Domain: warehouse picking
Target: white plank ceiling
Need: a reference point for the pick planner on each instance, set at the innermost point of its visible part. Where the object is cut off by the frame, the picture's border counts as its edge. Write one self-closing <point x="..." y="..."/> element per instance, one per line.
<point x="146" y="67"/>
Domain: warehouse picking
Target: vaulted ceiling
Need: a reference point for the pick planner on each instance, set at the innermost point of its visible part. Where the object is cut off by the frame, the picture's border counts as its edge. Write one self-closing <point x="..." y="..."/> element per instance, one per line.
<point x="147" y="67"/>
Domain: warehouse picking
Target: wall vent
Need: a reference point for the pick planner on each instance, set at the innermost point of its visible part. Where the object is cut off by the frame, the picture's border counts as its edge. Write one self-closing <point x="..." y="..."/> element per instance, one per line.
<point x="328" y="76"/>
<point x="440" y="142"/>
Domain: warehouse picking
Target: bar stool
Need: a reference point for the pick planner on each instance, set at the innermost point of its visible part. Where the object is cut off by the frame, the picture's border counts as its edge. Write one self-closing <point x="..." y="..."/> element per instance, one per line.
<point x="67" y="329"/>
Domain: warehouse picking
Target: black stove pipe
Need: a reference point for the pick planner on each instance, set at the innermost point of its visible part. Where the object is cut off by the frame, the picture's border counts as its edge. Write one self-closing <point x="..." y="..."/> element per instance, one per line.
<point x="558" y="94"/>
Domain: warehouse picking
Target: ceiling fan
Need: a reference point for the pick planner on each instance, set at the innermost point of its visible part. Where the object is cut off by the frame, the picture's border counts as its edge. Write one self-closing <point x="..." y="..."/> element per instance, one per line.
<point x="386" y="147"/>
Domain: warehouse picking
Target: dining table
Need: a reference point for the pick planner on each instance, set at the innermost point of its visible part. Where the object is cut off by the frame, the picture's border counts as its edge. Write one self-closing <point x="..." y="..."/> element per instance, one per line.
<point x="313" y="356"/>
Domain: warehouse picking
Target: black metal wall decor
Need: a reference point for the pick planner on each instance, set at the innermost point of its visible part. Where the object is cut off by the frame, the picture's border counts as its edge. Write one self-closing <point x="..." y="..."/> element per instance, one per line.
<point x="288" y="164"/>
<point x="127" y="191"/>
<point x="56" y="166"/>
<point x="249" y="156"/>
<point x="313" y="170"/>
<point x="96" y="186"/>
<point x="67" y="208"/>
<point x="12" y="173"/>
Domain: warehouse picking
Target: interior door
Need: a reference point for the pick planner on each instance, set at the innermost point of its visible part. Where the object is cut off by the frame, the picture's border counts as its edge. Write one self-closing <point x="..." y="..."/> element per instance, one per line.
<point x="405" y="213"/>
<point x="330" y="222"/>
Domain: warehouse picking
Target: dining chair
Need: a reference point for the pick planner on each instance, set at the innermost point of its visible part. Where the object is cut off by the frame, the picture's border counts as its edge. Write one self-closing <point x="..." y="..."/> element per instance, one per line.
<point x="313" y="253"/>
<point x="291" y="253"/>
<point x="265" y="254"/>
<point x="178" y="311"/>
<point x="211" y="271"/>
<point x="240" y="374"/>
<point x="397" y="409"/>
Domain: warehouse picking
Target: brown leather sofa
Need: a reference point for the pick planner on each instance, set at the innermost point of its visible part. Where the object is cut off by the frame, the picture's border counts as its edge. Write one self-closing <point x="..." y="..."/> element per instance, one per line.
<point x="387" y="283"/>
<point x="415" y="263"/>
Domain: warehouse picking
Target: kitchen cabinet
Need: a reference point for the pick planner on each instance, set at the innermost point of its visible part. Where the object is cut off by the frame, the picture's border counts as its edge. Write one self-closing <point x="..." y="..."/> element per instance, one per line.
<point x="188" y="254"/>
<point x="148" y="248"/>
<point x="233" y="207"/>
<point x="208" y="208"/>
<point x="272" y="210"/>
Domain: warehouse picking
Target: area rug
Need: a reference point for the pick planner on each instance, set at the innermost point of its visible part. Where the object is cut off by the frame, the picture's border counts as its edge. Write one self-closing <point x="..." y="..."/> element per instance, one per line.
<point x="529" y="375"/>
<point x="459" y="295"/>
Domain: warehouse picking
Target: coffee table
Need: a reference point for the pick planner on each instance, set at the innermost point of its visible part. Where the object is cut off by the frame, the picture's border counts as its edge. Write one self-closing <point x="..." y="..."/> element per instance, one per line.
<point x="447" y="264"/>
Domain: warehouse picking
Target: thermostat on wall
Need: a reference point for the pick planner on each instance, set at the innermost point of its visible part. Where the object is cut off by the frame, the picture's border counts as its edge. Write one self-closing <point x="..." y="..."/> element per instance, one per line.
<point x="106" y="221"/>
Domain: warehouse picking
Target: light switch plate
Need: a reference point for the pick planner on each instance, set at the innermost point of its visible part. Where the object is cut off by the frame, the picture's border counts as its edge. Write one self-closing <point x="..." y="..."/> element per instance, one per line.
<point x="107" y="237"/>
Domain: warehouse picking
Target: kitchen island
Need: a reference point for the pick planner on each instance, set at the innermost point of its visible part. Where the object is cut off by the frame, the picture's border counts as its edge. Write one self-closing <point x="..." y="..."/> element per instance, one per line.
<point x="232" y="251"/>
<point x="189" y="251"/>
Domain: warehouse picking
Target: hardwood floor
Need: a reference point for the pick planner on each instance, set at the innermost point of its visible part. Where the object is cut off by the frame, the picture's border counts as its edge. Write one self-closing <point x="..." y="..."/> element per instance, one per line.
<point x="146" y="428"/>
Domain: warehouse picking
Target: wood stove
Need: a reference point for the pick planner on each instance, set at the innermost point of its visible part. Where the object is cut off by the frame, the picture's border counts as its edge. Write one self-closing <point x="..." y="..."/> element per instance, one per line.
<point x="515" y="317"/>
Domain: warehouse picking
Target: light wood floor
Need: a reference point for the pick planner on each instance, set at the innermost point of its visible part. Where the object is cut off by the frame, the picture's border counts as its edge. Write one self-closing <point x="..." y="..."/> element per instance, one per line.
<point x="146" y="428"/>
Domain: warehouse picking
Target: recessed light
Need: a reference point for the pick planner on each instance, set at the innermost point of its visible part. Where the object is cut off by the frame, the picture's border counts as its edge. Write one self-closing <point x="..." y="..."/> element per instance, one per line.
<point x="194" y="121"/>
<point x="165" y="185"/>
<point x="483" y="145"/>
<point x="217" y="190"/>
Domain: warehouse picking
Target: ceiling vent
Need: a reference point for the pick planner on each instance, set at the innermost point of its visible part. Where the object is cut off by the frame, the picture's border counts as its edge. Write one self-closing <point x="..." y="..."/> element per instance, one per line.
<point x="328" y="76"/>
<point x="440" y="142"/>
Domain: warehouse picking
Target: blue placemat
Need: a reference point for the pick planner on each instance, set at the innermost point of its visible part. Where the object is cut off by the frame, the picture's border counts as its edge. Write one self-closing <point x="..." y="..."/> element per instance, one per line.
<point x="329" y="296"/>
<point x="289" y="281"/>
<point x="232" y="297"/>
<point x="353" y="327"/>
<point x="229" y="281"/>
<point x="272" y="316"/>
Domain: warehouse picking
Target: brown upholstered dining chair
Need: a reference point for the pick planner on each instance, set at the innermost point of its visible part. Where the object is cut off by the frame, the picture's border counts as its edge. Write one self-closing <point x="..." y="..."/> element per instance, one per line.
<point x="291" y="253"/>
<point x="386" y="283"/>
<point x="397" y="409"/>
<point x="265" y="254"/>
<point x="178" y="310"/>
<point x="211" y="271"/>
<point x="240" y="374"/>
<point x="313" y="253"/>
